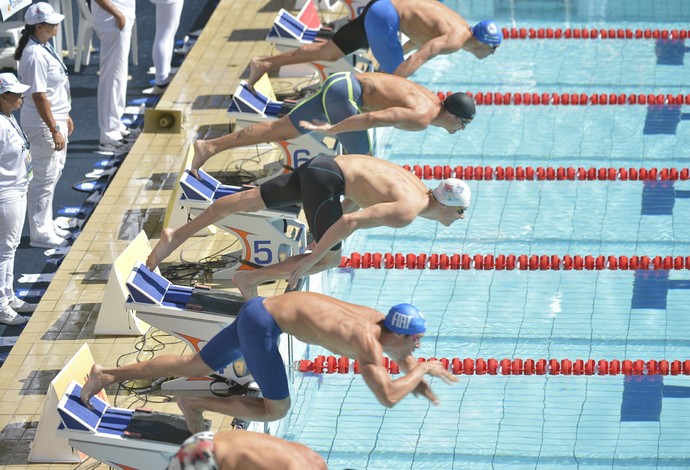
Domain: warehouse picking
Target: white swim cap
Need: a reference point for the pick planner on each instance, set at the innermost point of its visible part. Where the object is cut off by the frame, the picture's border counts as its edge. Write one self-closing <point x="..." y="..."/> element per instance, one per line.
<point x="453" y="192"/>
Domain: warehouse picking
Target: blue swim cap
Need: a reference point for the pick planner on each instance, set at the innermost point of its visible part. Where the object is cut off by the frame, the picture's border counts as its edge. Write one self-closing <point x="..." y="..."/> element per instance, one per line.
<point x="405" y="319"/>
<point x="488" y="31"/>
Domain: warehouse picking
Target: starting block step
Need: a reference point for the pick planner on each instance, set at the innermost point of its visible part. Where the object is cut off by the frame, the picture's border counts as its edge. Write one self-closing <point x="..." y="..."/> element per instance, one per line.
<point x="122" y="438"/>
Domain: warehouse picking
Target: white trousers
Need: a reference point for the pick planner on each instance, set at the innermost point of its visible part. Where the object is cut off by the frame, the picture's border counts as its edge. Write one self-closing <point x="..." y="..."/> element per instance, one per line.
<point x="47" y="164"/>
<point x="112" y="84"/>
<point x="12" y="213"/>
<point x="167" y="22"/>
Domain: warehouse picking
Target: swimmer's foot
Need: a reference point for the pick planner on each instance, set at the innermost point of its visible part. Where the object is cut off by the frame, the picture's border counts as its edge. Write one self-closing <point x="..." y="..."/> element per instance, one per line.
<point x="202" y="152"/>
<point x="162" y="249"/>
<point x="257" y="67"/>
<point x="192" y="413"/>
<point x="246" y="287"/>
<point x="97" y="381"/>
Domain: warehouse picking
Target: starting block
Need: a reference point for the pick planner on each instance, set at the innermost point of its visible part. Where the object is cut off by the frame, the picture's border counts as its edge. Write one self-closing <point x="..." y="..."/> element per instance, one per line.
<point x="266" y="237"/>
<point x="353" y="7"/>
<point x="193" y="314"/>
<point x="113" y="319"/>
<point x="249" y="107"/>
<point x="122" y="438"/>
<point x="289" y="33"/>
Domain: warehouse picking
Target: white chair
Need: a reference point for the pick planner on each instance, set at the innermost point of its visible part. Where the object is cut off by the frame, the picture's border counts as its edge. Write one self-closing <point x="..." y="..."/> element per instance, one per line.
<point x="85" y="35"/>
<point x="10" y="32"/>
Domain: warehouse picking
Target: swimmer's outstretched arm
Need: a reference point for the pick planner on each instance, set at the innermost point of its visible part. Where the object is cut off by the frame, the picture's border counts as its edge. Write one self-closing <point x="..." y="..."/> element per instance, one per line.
<point x="391" y="214"/>
<point x="401" y="117"/>
<point x="426" y="52"/>
<point x="389" y="391"/>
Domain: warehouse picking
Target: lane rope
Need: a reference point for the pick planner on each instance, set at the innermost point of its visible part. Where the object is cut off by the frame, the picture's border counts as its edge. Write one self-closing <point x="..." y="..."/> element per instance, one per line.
<point x="468" y="366"/>
<point x="528" y="173"/>
<point x="594" y="33"/>
<point x="511" y="262"/>
<point x="573" y="99"/>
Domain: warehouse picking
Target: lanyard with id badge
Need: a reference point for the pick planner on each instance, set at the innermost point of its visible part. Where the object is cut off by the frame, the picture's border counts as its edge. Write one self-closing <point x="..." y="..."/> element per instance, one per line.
<point x="26" y="152"/>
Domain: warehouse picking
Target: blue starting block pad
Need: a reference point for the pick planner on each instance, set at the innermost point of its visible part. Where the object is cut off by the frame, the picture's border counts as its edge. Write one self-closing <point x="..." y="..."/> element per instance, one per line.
<point x="207" y="189"/>
<point x="122" y="438"/>
<point x="286" y="26"/>
<point x="246" y="101"/>
<point x="192" y="314"/>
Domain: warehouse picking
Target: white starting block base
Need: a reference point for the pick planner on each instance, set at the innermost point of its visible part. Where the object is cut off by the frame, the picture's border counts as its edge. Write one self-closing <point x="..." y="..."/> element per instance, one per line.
<point x="266" y="237"/>
<point x="119" y="436"/>
<point x="47" y="446"/>
<point x="113" y="318"/>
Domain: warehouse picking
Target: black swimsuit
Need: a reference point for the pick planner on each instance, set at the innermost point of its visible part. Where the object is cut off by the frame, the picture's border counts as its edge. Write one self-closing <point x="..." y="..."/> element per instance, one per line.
<point x="318" y="185"/>
<point x="352" y="35"/>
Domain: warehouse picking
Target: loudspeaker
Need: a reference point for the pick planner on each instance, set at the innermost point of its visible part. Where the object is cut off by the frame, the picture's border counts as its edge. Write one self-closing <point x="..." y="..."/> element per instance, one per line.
<point x="160" y="121"/>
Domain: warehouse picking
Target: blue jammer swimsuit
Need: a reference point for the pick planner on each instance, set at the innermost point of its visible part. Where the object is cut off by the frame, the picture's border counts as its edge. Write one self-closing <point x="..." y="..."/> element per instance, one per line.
<point x="377" y="28"/>
<point x="339" y="98"/>
<point x="254" y="336"/>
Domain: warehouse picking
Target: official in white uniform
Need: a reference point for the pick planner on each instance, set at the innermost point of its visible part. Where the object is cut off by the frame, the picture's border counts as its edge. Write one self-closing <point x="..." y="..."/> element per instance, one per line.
<point x="168" y="14"/>
<point x="113" y="21"/>
<point x="45" y="119"/>
<point x="15" y="172"/>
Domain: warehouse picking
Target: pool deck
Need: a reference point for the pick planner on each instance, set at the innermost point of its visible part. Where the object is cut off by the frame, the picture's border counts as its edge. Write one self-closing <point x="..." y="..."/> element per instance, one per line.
<point x="68" y="311"/>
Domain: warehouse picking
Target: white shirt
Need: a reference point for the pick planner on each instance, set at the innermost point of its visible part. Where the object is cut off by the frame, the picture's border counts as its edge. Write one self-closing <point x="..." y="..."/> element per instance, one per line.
<point x="126" y="7"/>
<point x="44" y="73"/>
<point x="13" y="164"/>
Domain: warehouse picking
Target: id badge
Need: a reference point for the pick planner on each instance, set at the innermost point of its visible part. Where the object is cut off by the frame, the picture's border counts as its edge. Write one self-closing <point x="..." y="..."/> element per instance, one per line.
<point x="27" y="163"/>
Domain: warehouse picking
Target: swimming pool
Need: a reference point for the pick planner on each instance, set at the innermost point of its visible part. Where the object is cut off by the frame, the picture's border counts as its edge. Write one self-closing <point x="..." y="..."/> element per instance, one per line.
<point x="549" y="421"/>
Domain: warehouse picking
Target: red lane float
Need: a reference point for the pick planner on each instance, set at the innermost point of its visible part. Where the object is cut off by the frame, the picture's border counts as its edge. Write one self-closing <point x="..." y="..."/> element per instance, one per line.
<point x="498" y="98"/>
<point x="594" y="33"/>
<point x="510" y="262"/>
<point x="468" y="366"/>
<point x="499" y="173"/>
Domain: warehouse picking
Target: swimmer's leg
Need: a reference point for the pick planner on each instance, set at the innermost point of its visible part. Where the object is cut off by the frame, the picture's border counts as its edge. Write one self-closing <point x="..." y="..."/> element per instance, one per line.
<point x="237" y="406"/>
<point x="317" y="51"/>
<point x="270" y="131"/>
<point x="161" y="366"/>
<point x="340" y="101"/>
<point x="171" y="239"/>
<point x="382" y="25"/>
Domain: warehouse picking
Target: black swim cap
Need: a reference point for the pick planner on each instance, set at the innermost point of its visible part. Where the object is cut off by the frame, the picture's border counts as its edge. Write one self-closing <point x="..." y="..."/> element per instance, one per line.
<point x="460" y="104"/>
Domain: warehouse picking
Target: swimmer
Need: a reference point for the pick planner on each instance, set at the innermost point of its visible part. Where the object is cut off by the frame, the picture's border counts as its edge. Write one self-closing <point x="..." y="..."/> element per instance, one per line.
<point x="432" y="29"/>
<point x="387" y="194"/>
<point x="243" y="450"/>
<point x="345" y="329"/>
<point x="347" y="105"/>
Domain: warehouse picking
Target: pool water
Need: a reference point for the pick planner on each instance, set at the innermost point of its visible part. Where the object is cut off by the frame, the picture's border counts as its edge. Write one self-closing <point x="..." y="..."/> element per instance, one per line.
<point x="533" y="421"/>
